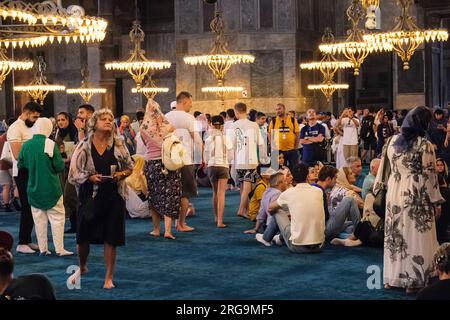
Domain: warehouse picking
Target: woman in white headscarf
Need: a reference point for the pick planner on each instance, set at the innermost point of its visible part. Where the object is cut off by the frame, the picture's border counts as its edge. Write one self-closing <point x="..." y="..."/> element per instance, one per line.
<point x="41" y="157"/>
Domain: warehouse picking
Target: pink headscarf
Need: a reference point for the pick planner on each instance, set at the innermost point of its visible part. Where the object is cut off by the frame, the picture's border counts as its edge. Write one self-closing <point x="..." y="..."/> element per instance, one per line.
<point x="155" y="127"/>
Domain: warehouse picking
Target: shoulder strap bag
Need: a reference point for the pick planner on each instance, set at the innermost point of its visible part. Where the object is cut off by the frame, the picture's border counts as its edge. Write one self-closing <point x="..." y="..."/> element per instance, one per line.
<point x="379" y="204"/>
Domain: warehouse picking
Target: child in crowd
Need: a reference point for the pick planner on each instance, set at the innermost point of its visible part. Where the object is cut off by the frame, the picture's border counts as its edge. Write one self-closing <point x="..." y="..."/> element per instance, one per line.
<point x="216" y="156"/>
<point x="257" y="193"/>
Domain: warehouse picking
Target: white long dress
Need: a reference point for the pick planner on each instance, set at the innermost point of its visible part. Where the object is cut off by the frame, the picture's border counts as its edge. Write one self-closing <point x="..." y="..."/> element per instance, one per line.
<point x="339" y="155"/>
<point x="410" y="229"/>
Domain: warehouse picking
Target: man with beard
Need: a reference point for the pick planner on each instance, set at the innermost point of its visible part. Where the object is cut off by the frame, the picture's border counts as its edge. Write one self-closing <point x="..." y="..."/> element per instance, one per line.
<point x="85" y="112"/>
<point x="70" y="197"/>
<point x="18" y="134"/>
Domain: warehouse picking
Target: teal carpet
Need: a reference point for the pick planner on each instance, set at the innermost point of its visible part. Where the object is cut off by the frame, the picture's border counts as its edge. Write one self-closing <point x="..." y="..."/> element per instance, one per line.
<point x="210" y="264"/>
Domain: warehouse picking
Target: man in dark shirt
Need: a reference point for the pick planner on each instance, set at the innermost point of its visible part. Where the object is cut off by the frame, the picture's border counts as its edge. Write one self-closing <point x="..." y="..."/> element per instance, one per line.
<point x="29" y="287"/>
<point x="367" y="134"/>
<point x="438" y="132"/>
<point x="311" y="137"/>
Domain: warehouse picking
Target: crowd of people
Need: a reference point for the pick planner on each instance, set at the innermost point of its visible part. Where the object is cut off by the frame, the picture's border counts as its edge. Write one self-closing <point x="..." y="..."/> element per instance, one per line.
<point x="96" y="170"/>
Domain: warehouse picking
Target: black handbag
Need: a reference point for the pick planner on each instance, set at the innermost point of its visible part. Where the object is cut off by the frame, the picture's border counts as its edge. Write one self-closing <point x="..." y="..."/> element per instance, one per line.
<point x="379" y="204"/>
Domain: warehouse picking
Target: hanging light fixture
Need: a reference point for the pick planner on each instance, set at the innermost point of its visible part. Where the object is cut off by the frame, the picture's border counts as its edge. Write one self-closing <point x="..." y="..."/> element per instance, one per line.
<point x="39" y="88"/>
<point x="150" y="90"/>
<point x="407" y="37"/>
<point x="355" y="48"/>
<point x="329" y="65"/>
<point x="7" y="65"/>
<point x="85" y="91"/>
<point x="220" y="59"/>
<point x="34" y="25"/>
<point x="137" y="65"/>
<point x="328" y="88"/>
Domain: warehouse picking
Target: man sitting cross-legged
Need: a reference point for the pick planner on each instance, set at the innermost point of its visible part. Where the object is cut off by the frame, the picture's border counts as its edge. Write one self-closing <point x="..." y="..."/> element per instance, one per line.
<point x="303" y="228"/>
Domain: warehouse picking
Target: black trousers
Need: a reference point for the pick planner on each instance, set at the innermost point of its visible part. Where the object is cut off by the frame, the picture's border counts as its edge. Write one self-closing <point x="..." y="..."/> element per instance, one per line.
<point x="26" y="218"/>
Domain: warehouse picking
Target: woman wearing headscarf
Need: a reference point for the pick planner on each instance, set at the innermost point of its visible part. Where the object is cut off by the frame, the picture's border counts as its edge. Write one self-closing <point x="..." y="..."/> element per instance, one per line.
<point x="164" y="186"/>
<point x="412" y="204"/>
<point x="137" y="191"/>
<point x="66" y="137"/>
<point x="41" y="157"/>
<point x="98" y="169"/>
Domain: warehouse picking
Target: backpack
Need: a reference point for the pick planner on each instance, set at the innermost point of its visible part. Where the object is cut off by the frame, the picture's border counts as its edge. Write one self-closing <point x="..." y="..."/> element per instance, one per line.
<point x="274" y="119"/>
<point x="173" y="153"/>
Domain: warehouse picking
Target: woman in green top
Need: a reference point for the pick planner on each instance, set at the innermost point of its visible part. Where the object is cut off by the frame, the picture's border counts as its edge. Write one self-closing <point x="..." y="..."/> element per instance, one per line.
<point x="41" y="157"/>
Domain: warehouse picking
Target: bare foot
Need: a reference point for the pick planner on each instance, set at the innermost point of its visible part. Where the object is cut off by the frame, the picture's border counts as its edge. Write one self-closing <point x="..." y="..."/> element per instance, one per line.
<point x="243" y="216"/>
<point x="155" y="233"/>
<point x="169" y="236"/>
<point x="251" y="231"/>
<point x="109" y="284"/>
<point x="185" y="228"/>
<point x="387" y="287"/>
<point x="221" y="225"/>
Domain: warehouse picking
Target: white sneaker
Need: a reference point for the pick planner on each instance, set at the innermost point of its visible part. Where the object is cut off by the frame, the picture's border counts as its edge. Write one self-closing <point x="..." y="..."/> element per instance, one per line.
<point x="277" y="240"/>
<point x="65" y="253"/>
<point x="23" y="248"/>
<point x="33" y="246"/>
<point x="259" y="238"/>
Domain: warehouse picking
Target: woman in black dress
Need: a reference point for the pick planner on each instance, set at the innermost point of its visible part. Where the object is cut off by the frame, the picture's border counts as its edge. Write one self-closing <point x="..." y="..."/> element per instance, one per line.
<point x="66" y="137"/>
<point x="98" y="169"/>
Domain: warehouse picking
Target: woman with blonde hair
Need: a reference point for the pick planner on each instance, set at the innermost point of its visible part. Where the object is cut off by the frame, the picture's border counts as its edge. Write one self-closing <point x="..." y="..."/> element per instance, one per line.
<point x="345" y="205"/>
<point x="127" y="134"/>
<point x="164" y="186"/>
<point x="137" y="191"/>
<point x="98" y="168"/>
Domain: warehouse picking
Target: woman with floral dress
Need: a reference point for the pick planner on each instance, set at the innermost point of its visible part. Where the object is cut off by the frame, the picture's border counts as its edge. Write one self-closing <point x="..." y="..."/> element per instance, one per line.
<point x="164" y="188"/>
<point x="412" y="204"/>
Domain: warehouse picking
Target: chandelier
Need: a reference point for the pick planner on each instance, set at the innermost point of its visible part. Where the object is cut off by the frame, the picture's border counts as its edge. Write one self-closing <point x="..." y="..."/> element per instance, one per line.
<point x="137" y="65"/>
<point x="406" y="37"/>
<point x="7" y="65"/>
<point x="355" y="48"/>
<point x="220" y="59"/>
<point x="329" y="65"/>
<point x="150" y="90"/>
<point x="328" y="88"/>
<point x="34" y="25"/>
<point x="85" y="91"/>
<point x="39" y="88"/>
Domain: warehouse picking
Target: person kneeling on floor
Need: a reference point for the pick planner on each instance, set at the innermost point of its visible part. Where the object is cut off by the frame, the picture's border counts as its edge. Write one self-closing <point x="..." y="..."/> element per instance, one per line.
<point x="303" y="228"/>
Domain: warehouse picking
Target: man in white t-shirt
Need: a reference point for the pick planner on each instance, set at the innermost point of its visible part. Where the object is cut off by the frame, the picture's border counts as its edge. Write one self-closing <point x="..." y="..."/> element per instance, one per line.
<point x="249" y="150"/>
<point x="186" y="131"/>
<point x="18" y="133"/>
<point x="349" y="125"/>
<point x="300" y="214"/>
